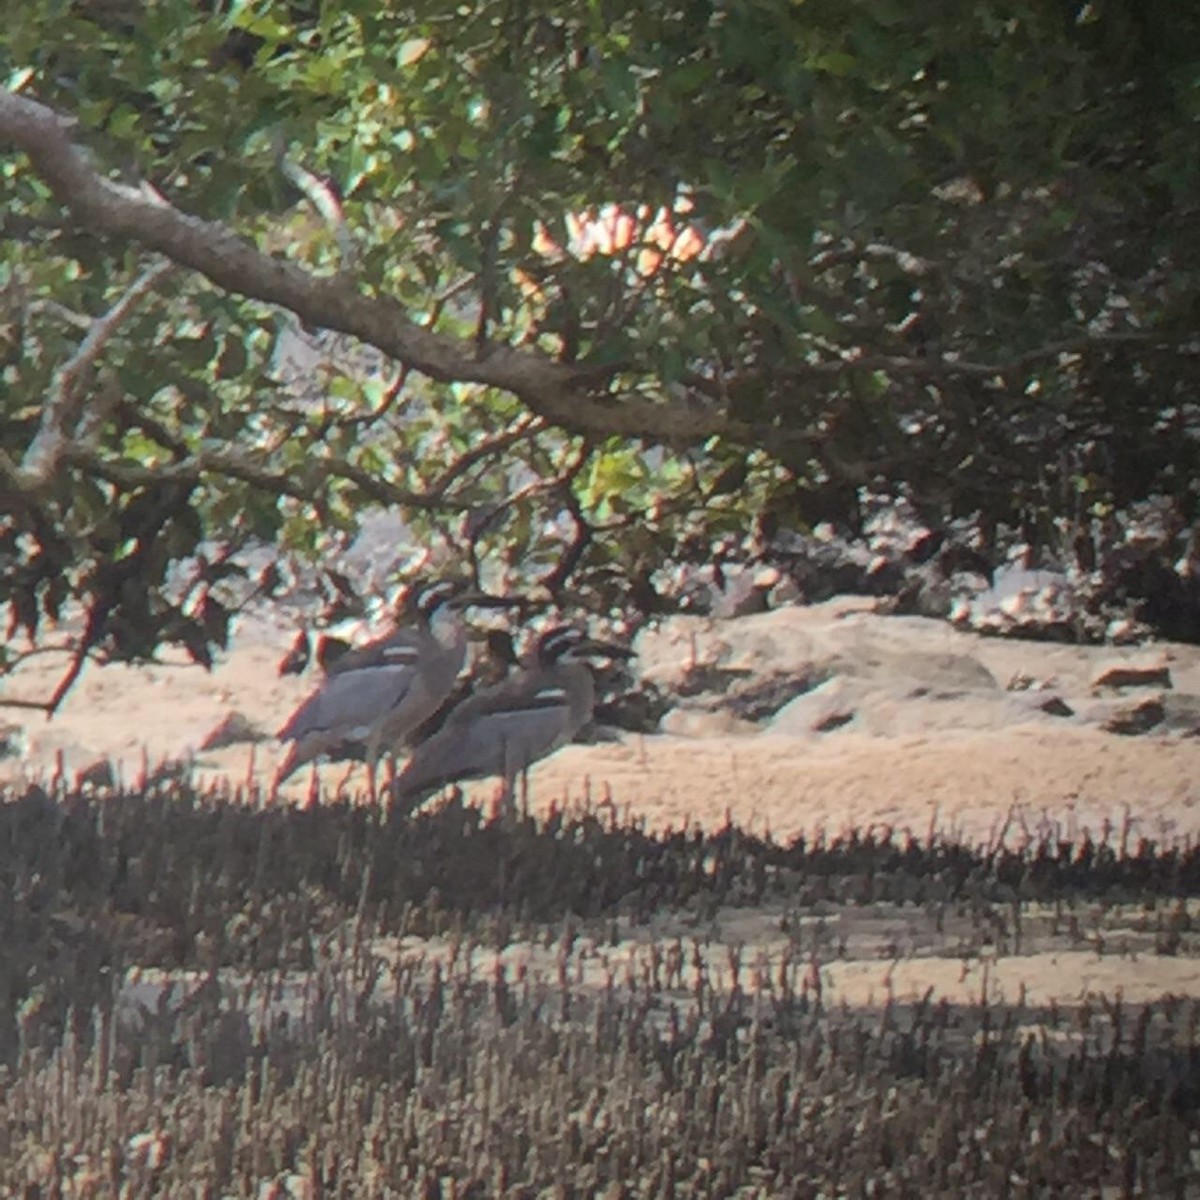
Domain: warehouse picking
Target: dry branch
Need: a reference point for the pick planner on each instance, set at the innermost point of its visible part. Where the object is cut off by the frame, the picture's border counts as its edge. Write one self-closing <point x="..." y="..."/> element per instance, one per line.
<point x="563" y="395"/>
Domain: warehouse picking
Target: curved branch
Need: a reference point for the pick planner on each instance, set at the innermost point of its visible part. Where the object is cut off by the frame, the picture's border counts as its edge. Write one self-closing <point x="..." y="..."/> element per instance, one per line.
<point x="563" y="394"/>
<point x="555" y="579"/>
<point x="64" y="423"/>
<point x="525" y="427"/>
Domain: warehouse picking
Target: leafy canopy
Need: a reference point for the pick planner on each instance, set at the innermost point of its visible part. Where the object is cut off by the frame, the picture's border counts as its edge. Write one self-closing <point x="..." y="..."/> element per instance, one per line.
<point x="945" y="249"/>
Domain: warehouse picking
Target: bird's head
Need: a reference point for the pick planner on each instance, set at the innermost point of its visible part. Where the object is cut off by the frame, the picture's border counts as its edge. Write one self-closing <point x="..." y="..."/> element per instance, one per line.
<point x="431" y="598"/>
<point x="570" y="644"/>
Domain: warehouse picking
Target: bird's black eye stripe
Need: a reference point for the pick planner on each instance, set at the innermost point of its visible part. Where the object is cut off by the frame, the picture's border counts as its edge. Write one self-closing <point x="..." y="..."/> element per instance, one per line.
<point x="432" y="597"/>
<point x="558" y="641"/>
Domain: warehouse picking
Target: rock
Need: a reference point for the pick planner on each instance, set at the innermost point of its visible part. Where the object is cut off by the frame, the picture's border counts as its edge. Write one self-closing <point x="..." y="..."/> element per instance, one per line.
<point x="925" y="594"/>
<point x="597" y="733"/>
<point x="1181" y="714"/>
<point x="1136" y="717"/>
<point x="1038" y="695"/>
<point x="1049" y="703"/>
<point x="814" y="670"/>
<point x="824" y="709"/>
<point x="824" y="565"/>
<point x="750" y="666"/>
<point x="233" y="729"/>
<point x="834" y="721"/>
<point x="1132" y="674"/>
<point x="924" y="672"/>
<point x="759" y="698"/>
<point x="886" y="707"/>
<point x="1124" y="631"/>
<point x="700" y="722"/>
<point x="637" y="710"/>
<point x="753" y="667"/>
<point x="746" y="591"/>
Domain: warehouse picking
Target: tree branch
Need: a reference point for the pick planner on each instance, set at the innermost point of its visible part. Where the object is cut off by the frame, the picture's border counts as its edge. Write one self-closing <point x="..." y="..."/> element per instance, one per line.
<point x="324" y="198"/>
<point x="561" y="393"/>
<point x="60" y="427"/>
<point x="524" y="427"/>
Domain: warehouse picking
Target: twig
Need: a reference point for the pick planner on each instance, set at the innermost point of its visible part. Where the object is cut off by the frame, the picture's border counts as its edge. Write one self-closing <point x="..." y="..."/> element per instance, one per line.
<point x="39" y="705"/>
<point x="10" y="664"/>
<point x="322" y="195"/>
<point x="524" y="427"/>
<point x="68" y="680"/>
<point x="554" y="579"/>
<point x="67" y="315"/>
<point x="65" y="404"/>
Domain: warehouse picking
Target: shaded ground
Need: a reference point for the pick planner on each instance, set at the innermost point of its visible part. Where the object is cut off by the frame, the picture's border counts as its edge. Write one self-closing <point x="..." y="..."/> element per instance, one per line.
<point x="203" y="992"/>
<point x="293" y="1003"/>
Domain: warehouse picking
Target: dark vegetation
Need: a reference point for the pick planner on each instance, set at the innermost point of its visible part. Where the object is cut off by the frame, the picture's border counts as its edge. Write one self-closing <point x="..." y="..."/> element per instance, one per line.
<point x="287" y="1042"/>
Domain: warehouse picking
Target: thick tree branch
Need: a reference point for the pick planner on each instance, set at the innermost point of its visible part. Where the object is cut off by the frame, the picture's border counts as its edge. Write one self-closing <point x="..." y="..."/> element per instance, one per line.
<point x="562" y="394"/>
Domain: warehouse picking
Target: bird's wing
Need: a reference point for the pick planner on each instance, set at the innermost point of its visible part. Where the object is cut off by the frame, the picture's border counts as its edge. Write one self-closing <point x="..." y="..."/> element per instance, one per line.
<point x="401" y="647"/>
<point x="499" y="731"/>
<point x="352" y="699"/>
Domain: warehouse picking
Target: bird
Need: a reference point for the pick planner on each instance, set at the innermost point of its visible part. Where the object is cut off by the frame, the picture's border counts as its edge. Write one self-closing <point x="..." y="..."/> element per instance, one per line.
<point x="492" y="666"/>
<point x="489" y="667"/>
<point x="504" y="729"/>
<point x="379" y="693"/>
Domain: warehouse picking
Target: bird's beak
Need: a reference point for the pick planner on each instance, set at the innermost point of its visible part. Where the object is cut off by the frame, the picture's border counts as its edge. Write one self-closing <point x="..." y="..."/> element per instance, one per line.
<point x="607" y="649"/>
<point x="474" y="599"/>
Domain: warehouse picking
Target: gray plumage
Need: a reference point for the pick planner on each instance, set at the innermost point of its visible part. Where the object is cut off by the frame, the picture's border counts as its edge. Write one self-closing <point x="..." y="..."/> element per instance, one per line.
<point x="503" y="730"/>
<point x="379" y="693"/>
<point x="490" y="665"/>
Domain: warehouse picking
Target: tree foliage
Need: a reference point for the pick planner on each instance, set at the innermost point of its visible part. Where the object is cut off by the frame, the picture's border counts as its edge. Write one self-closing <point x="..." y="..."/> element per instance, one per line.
<point x="951" y="251"/>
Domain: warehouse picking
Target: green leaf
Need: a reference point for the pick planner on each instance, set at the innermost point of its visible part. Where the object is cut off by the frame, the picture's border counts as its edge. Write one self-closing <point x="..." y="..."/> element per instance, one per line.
<point x="412" y="51"/>
<point x="836" y="62"/>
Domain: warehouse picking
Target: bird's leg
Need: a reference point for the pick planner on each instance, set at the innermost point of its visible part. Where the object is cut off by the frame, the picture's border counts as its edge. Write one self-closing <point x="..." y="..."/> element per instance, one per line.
<point x="343" y="783"/>
<point x="373" y="749"/>
<point x="522" y="811"/>
<point x="507" y="801"/>
<point x="286" y="767"/>
<point x="504" y="807"/>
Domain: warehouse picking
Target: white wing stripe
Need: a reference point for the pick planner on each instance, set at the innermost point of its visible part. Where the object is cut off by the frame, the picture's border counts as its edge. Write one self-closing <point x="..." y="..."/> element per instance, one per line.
<point x="401" y="654"/>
